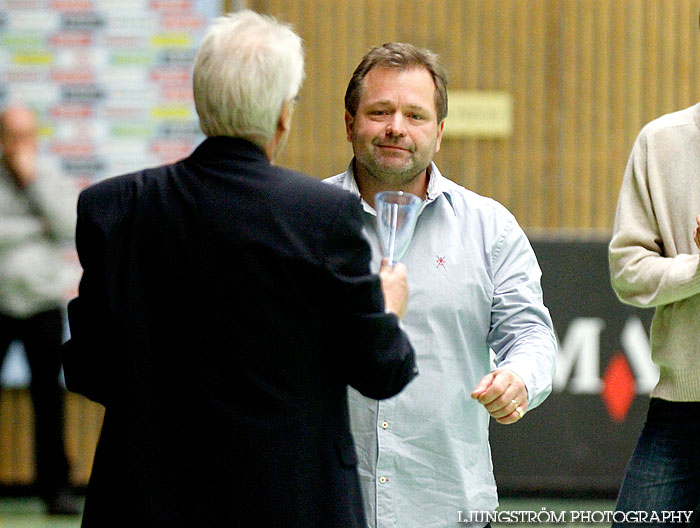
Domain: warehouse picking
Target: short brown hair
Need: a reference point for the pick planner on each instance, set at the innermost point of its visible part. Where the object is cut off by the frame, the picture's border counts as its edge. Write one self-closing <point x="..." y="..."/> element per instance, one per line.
<point x="400" y="56"/>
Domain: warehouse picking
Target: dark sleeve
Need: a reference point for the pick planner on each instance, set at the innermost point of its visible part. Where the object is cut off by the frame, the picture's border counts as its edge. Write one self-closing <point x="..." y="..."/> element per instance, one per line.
<point x="376" y="354"/>
<point x="85" y="354"/>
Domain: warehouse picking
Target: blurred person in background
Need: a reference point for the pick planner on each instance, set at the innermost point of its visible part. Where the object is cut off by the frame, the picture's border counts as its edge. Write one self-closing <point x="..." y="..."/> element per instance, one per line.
<point x="37" y="218"/>
<point x="225" y="305"/>
<point x="475" y="286"/>
<point x="655" y="263"/>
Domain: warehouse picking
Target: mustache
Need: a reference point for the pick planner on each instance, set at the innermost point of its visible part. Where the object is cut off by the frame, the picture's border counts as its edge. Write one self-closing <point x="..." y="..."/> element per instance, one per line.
<point x="388" y="143"/>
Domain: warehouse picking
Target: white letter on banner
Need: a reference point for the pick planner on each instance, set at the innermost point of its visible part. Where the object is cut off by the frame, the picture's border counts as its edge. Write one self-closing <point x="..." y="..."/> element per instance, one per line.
<point x="580" y="353"/>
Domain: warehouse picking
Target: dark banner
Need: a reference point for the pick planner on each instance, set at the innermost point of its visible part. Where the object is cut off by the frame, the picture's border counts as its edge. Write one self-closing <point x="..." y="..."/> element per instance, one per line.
<point x="580" y="438"/>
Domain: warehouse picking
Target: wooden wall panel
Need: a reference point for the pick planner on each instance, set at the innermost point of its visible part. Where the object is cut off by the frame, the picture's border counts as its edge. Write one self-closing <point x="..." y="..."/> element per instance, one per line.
<point x="83" y="421"/>
<point x="83" y="426"/>
<point x="16" y="438"/>
<point x="585" y="75"/>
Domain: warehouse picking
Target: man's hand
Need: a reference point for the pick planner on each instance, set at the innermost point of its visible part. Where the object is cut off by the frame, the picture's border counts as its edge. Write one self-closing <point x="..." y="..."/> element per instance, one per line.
<point x="696" y="236"/>
<point x="395" y="287"/>
<point x="22" y="163"/>
<point x="503" y="394"/>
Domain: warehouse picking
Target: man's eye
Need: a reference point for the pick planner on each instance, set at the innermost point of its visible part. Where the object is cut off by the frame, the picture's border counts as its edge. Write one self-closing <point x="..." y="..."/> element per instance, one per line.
<point x="416" y="117"/>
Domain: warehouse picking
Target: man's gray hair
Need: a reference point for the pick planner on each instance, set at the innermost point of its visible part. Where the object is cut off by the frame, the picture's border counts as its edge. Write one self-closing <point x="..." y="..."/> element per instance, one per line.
<point x="247" y="66"/>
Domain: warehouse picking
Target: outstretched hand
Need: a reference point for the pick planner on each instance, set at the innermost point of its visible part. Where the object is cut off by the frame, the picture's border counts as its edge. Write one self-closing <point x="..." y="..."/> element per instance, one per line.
<point x="503" y="394"/>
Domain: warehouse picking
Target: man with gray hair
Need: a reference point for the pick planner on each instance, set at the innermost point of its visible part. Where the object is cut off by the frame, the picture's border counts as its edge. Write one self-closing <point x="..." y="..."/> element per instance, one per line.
<point x="475" y="286"/>
<point x="225" y="306"/>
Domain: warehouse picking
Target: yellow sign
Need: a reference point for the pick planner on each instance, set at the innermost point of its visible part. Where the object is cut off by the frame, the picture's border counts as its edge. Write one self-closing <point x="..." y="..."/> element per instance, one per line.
<point x="32" y="58"/>
<point x="174" y="112"/>
<point x="485" y="114"/>
<point x="172" y="40"/>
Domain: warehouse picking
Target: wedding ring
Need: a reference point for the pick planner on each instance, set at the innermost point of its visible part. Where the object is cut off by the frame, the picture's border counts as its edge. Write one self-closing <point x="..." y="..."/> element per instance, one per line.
<point x="520" y="411"/>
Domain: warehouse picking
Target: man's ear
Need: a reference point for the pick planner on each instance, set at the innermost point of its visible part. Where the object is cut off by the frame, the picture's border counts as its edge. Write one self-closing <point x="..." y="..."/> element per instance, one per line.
<point x="285" y="120"/>
<point x="349" y="120"/>
<point x="284" y="123"/>
<point x="441" y="126"/>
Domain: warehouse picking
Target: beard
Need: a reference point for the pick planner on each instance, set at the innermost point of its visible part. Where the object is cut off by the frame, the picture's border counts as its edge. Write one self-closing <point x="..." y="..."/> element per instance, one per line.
<point x="388" y="173"/>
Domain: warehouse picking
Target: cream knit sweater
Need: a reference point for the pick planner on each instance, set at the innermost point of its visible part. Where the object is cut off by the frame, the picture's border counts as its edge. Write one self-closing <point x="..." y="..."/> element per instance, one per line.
<point x="653" y="259"/>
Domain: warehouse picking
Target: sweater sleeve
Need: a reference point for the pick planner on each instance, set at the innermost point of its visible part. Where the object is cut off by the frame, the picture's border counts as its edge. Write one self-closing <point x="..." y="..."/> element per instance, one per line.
<point x="642" y="273"/>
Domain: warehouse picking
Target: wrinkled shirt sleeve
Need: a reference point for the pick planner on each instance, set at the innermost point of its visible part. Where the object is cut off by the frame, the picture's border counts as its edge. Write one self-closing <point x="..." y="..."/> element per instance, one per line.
<point x="522" y="334"/>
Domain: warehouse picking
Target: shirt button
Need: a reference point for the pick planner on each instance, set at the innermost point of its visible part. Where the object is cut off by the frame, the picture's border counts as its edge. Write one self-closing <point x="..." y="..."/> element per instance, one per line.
<point x="383" y="480"/>
<point x="385" y="425"/>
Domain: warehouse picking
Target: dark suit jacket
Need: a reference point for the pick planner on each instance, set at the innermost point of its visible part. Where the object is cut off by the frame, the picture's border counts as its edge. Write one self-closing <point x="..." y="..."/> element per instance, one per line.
<point x="224" y="307"/>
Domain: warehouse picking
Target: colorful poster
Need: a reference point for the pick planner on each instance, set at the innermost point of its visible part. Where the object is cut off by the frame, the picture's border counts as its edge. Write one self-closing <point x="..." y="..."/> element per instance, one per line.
<point x="110" y="81"/>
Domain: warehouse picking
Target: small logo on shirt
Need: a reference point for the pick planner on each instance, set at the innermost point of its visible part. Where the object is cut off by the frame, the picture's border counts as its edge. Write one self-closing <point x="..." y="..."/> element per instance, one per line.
<point x="439" y="261"/>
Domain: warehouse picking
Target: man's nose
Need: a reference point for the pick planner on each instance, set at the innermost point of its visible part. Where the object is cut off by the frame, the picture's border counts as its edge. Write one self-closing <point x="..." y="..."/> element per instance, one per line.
<point x="396" y="125"/>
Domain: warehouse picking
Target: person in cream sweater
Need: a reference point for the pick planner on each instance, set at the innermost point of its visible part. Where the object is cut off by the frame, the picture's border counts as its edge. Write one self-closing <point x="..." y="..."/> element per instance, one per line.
<point x="655" y="263"/>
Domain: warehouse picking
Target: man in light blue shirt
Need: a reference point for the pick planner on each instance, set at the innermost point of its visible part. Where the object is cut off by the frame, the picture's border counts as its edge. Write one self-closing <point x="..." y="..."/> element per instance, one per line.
<point x="424" y="455"/>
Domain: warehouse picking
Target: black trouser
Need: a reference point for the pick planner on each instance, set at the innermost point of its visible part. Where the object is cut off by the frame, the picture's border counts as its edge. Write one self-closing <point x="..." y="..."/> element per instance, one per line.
<point x="41" y="336"/>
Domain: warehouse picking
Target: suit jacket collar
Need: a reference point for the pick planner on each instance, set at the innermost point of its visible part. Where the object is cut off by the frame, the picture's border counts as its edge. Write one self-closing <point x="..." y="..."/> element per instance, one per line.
<point x="222" y="148"/>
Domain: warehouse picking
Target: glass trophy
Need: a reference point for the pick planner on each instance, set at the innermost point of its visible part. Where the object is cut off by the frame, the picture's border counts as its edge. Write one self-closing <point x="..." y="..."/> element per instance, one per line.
<point x="397" y="212"/>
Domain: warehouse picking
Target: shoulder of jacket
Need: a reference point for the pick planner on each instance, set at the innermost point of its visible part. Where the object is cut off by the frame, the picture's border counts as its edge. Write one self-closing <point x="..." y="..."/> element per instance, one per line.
<point x="313" y="188"/>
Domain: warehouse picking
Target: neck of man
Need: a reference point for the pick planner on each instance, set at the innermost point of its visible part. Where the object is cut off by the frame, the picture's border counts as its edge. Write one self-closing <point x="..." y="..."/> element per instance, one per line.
<point x="369" y="185"/>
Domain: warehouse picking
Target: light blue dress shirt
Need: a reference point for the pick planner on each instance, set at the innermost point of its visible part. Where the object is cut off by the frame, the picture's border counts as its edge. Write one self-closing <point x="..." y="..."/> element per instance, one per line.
<point x="474" y="285"/>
